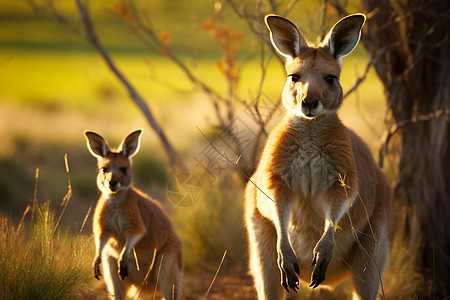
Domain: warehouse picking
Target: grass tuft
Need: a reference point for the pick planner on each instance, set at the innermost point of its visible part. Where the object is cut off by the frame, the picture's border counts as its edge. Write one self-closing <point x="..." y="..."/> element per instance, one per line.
<point x="39" y="262"/>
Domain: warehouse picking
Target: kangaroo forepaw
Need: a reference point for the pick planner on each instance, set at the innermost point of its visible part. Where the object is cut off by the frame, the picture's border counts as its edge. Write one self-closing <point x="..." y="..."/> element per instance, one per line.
<point x="320" y="262"/>
<point x="97" y="272"/>
<point x="123" y="270"/>
<point x="289" y="269"/>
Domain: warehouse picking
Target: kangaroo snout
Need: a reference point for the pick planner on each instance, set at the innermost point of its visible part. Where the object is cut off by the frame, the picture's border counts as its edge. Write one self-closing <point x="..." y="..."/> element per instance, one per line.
<point x="311" y="107"/>
<point x="306" y="101"/>
<point x="114" y="185"/>
<point x="113" y="179"/>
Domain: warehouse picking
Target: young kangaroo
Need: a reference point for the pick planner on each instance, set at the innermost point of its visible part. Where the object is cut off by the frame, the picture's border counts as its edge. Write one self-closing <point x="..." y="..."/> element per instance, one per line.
<point x="317" y="194"/>
<point x="126" y="218"/>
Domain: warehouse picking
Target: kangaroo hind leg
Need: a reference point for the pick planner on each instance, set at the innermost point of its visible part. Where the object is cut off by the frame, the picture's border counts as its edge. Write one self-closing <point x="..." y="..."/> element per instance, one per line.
<point x="263" y="258"/>
<point x="170" y="276"/>
<point x="117" y="288"/>
<point x="373" y="253"/>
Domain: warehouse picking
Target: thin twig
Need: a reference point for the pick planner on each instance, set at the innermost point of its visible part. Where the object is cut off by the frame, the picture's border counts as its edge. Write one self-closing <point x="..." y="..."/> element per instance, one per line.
<point x="215" y="276"/>
<point x="234" y="164"/>
<point x="144" y="282"/>
<point x="215" y="97"/>
<point x="87" y="216"/>
<point x="66" y="163"/>
<point x="157" y="276"/>
<point x="264" y="37"/>
<point x="150" y="34"/>
<point x="34" y="204"/>
<point x="359" y="80"/>
<point x="66" y="197"/>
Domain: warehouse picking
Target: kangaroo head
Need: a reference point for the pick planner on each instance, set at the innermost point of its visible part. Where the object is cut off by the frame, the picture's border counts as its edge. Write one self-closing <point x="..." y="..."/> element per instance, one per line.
<point x="312" y="88"/>
<point x="113" y="165"/>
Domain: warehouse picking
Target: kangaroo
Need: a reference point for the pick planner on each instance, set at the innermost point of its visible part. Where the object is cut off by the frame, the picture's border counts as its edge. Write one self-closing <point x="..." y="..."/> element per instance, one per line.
<point x="126" y="219"/>
<point x="317" y="192"/>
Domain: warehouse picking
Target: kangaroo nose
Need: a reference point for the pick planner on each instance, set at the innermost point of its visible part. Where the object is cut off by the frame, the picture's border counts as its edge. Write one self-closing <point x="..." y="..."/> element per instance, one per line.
<point x="114" y="185"/>
<point x="311" y="103"/>
<point x="311" y="107"/>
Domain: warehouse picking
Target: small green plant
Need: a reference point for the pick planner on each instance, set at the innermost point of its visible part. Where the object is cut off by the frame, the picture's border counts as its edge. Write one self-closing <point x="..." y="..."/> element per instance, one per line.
<point x="38" y="261"/>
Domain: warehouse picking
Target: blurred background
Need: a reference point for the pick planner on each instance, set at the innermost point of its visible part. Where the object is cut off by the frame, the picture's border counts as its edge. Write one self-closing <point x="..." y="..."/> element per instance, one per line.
<point x="54" y="85"/>
<point x="207" y="74"/>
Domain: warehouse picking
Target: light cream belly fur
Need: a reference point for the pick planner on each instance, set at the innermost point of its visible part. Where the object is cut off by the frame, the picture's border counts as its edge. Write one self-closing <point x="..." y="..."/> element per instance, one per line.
<point x="309" y="175"/>
<point x="337" y="270"/>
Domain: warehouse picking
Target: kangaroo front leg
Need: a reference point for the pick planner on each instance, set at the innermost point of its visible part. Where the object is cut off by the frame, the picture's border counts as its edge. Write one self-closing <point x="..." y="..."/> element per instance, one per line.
<point x="124" y="254"/>
<point x="100" y="242"/>
<point x="287" y="260"/>
<point x="322" y="255"/>
<point x="338" y="202"/>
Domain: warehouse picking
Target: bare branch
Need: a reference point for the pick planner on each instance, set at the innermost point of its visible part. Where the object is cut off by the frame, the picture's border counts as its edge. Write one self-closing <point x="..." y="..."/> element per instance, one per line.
<point x="141" y="27"/>
<point x="251" y="21"/>
<point x="234" y="165"/>
<point x="289" y="7"/>
<point x="94" y="40"/>
<point x="224" y="104"/>
<point x="441" y="113"/>
<point x="359" y="80"/>
<point x="262" y="130"/>
<point x="50" y="6"/>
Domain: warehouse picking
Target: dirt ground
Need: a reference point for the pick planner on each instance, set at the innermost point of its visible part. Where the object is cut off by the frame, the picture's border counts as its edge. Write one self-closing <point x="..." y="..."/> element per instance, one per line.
<point x="237" y="284"/>
<point x="229" y="284"/>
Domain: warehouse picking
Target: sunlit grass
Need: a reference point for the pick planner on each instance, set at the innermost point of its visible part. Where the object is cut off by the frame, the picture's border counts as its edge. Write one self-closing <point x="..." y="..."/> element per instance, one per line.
<point x="38" y="261"/>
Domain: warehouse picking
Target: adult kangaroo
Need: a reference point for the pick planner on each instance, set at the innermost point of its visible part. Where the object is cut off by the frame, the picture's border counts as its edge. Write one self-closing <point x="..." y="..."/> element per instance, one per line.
<point x="317" y="194"/>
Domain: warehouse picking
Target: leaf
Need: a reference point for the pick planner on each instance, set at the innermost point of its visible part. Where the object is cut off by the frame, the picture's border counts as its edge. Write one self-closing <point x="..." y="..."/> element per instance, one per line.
<point x="165" y="37"/>
<point x="341" y="180"/>
<point x="337" y="228"/>
<point x="121" y="9"/>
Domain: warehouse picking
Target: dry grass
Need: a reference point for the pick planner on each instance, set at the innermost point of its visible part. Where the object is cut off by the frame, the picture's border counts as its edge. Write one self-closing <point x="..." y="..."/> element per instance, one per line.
<point x="38" y="261"/>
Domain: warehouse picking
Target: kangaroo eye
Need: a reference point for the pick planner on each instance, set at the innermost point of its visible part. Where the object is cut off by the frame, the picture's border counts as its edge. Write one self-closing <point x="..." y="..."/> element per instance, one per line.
<point x="294" y="77"/>
<point x="330" y="79"/>
<point x="124" y="170"/>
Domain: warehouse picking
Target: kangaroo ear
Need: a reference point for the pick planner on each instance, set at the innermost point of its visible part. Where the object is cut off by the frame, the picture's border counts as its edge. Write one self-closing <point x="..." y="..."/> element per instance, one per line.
<point x="285" y="36"/>
<point x="130" y="145"/>
<point x="96" y="144"/>
<point x="344" y="36"/>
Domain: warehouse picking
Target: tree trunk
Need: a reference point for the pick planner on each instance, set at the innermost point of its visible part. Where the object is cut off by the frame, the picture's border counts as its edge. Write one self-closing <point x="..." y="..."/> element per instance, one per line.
<point x="410" y="50"/>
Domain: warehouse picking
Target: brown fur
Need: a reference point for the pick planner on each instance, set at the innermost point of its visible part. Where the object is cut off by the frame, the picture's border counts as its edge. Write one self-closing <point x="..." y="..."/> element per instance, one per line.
<point x="126" y="218"/>
<point x="329" y="202"/>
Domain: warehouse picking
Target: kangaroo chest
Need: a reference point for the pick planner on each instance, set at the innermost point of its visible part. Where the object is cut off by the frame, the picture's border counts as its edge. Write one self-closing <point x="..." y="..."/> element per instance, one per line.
<point x="310" y="164"/>
<point x="311" y="171"/>
<point x="113" y="219"/>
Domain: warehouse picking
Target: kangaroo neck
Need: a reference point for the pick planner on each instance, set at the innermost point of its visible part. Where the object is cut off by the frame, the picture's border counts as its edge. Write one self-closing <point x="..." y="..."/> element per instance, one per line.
<point x="116" y="198"/>
<point x="325" y="122"/>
